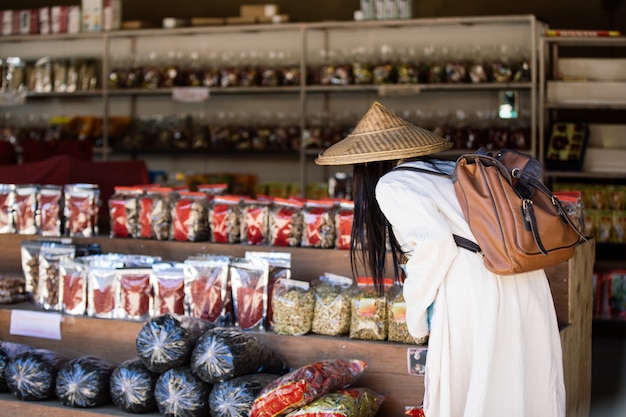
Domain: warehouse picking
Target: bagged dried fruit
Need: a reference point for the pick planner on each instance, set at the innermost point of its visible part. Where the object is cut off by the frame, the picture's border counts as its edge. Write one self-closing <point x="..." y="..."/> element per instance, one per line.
<point x="132" y="387"/>
<point x="167" y="341"/>
<point x="84" y="382"/>
<point x="234" y="397"/>
<point x="223" y="353"/>
<point x="31" y="375"/>
<point x="306" y="384"/>
<point x="179" y="393"/>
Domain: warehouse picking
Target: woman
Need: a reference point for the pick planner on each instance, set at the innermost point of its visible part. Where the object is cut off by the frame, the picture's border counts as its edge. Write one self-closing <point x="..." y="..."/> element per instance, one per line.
<point x="494" y="348"/>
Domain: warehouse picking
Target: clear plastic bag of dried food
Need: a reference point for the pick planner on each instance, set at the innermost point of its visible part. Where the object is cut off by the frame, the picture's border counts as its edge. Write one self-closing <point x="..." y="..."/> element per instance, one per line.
<point x="8" y="350"/>
<point x="368" y="401"/>
<point x="206" y="288"/>
<point x="167" y="341"/>
<point x="319" y="229"/>
<point x="336" y="404"/>
<point x="6" y="202"/>
<point x="190" y="217"/>
<point x="396" y="318"/>
<point x="293" y="302"/>
<point x="285" y="222"/>
<point x="224" y="353"/>
<point x="333" y="300"/>
<point x="102" y="291"/>
<point x="49" y="203"/>
<point x="124" y="211"/>
<point x="29" y="251"/>
<point x="48" y="288"/>
<point x="279" y="267"/>
<point x="224" y="219"/>
<point x="155" y="213"/>
<point x="12" y="288"/>
<point x="135" y="300"/>
<point x="234" y="397"/>
<point x="249" y="281"/>
<point x="24" y="209"/>
<point x="168" y="286"/>
<point x="80" y="209"/>
<point x="368" y="312"/>
<point x="179" y="393"/>
<point x="84" y="382"/>
<point x="132" y="387"/>
<point x="31" y="375"/>
<point x="255" y="221"/>
<point x="304" y="385"/>
<point x="73" y="288"/>
<point x="344" y="216"/>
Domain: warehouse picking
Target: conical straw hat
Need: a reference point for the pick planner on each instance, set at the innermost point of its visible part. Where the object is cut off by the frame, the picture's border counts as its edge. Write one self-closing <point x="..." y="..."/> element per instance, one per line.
<point x="380" y="135"/>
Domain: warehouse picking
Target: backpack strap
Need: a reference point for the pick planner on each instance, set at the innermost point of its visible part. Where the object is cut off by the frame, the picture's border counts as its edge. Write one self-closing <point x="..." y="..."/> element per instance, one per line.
<point x="460" y="241"/>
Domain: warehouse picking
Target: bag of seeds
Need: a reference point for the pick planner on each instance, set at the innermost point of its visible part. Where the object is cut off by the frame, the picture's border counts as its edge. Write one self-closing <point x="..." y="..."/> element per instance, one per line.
<point x="333" y="300"/>
<point x="31" y="375"/>
<point x="223" y="353"/>
<point x="293" y="302"/>
<point x="249" y="281"/>
<point x="178" y="392"/>
<point x="132" y="387"/>
<point x="206" y="289"/>
<point x="304" y="385"/>
<point x="396" y="318"/>
<point x="167" y="341"/>
<point x="368" y="312"/>
<point x="84" y="382"/>
<point x="234" y="397"/>
<point x="8" y="350"/>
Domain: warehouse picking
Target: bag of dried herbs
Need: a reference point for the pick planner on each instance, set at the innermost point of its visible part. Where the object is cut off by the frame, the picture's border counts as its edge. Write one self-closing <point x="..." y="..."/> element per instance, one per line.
<point x="368" y="401"/>
<point x="223" y="353"/>
<point x="84" y="382"/>
<point x="368" y="312"/>
<point x="167" y="341"/>
<point x="331" y="310"/>
<point x="31" y="375"/>
<point x="132" y="387"/>
<point x="179" y="393"/>
<point x="8" y="350"/>
<point x="396" y="318"/>
<point x="293" y="307"/>
<point x="234" y="397"/>
<point x="337" y="404"/>
<point x="304" y="385"/>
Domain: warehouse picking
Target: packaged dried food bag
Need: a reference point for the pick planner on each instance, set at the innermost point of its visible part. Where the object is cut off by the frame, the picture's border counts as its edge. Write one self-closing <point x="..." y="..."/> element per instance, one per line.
<point x="255" y="221"/>
<point x="124" y="211"/>
<point x="249" y="281"/>
<point x="304" y="385"/>
<point x="135" y="301"/>
<point x="285" y="222"/>
<point x="334" y="404"/>
<point x="224" y="353"/>
<point x="279" y="267"/>
<point x="12" y="288"/>
<point x="6" y="208"/>
<point x="168" y="285"/>
<point x="81" y="208"/>
<point x="73" y="287"/>
<point x="397" y="330"/>
<point x="368" y="312"/>
<point x="333" y="301"/>
<point x="24" y="209"/>
<point x="344" y="216"/>
<point x="206" y="288"/>
<point x="319" y="224"/>
<point x="50" y="256"/>
<point x="49" y="210"/>
<point x="155" y="213"/>
<point x="224" y="219"/>
<point x="178" y="392"/>
<point x="84" y="382"/>
<point x="31" y="375"/>
<point x="213" y="189"/>
<point x="368" y="401"/>
<point x="234" y="397"/>
<point x="167" y="341"/>
<point x="132" y="387"/>
<point x="29" y="257"/>
<point x="102" y="291"/>
<point x="190" y="217"/>
<point x="8" y="350"/>
<point x="293" y="302"/>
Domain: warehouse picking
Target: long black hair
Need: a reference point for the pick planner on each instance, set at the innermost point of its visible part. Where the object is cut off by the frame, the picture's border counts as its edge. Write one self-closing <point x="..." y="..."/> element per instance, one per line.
<point x="372" y="237"/>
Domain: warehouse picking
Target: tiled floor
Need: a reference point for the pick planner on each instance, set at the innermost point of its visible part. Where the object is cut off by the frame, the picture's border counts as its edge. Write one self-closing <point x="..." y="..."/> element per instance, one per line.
<point x="608" y="373"/>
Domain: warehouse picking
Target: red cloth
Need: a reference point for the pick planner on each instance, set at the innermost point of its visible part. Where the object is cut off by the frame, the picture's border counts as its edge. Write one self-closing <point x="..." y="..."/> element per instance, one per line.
<point x="8" y="156"/>
<point x="37" y="150"/>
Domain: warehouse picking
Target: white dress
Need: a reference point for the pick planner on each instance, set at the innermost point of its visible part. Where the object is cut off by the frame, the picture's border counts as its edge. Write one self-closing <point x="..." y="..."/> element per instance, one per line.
<point x="494" y="348"/>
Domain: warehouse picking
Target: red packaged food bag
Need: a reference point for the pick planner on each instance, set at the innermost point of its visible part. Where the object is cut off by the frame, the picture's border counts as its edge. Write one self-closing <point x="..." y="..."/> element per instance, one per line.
<point x="73" y="290"/>
<point x="304" y="385"/>
<point x="279" y="268"/>
<point x="249" y="281"/>
<point x="135" y="293"/>
<point x="82" y="202"/>
<point x="24" y="208"/>
<point x="224" y="219"/>
<point x="155" y="213"/>
<point x="285" y="222"/>
<point x="49" y="210"/>
<point x="6" y="202"/>
<point x="190" y="217"/>
<point x="124" y="211"/>
<point x="206" y="286"/>
<point x="254" y="221"/>
<point x="319" y="224"/>
<point x="343" y="223"/>
<point x="168" y="284"/>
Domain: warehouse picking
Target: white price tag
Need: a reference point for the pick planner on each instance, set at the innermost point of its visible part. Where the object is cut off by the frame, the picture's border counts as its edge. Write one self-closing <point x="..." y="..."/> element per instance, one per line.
<point x="35" y="324"/>
<point x="190" y="94"/>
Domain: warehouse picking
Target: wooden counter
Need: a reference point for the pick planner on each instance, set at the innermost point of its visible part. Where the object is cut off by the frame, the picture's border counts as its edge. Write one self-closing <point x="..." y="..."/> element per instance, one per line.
<point x="387" y="361"/>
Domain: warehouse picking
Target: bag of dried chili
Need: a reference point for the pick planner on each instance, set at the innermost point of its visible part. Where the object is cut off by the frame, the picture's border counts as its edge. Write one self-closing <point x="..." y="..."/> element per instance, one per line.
<point x="134" y="301"/>
<point x="249" y="281"/>
<point x="168" y="286"/>
<point x="306" y="384"/>
<point x="206" y="288"/>
<point x="73" y="287"/>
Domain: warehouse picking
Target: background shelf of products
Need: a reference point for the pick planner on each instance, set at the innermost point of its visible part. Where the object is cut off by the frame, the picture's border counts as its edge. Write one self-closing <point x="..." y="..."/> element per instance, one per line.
<point x="581" y="86"/>
<point x="319" y="106"/>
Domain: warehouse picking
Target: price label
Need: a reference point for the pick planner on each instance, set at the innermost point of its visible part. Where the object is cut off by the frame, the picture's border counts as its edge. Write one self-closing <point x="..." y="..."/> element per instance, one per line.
<point x="190" y="94"/>
<point x="35" y="324"/>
